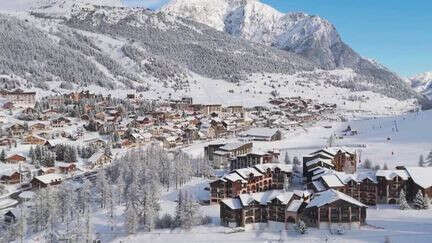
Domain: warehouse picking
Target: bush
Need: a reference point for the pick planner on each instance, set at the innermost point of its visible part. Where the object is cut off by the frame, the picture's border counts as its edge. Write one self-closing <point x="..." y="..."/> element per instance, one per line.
<point x="301" y="227"/>
<point x="165" y="222"/>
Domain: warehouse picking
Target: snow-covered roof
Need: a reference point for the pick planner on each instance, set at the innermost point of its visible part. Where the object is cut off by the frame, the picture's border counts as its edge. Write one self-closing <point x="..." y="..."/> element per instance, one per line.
<point x="7" y="172"/>
<point x="49" y="178"/>
<point x="27" y="195"/>
<point x="272" y="166"/>
<point x="233" y="203"/>
<point x="421" y="176"/>
<point x="260" y="132"/>
<point x="294" y="206"/>
<point x="320" y="160"/>
<point x="391" y="174"/>
<point x="245" y="172"/>
<point x="330" y="196"/>
<point x="284" y="197"/>
<point x="260" y="197"/>
<point x="232" y="146"/>
<point x="319" y="187"/>
<point x="234" y="177"/>
<point x="332" y="181"/>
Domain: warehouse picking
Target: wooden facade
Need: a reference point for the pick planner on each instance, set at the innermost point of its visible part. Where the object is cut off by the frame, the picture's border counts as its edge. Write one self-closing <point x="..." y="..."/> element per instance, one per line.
<point x="251" y="159"/>
<point x="250" y="180"/>
<point x="332" y="208"/>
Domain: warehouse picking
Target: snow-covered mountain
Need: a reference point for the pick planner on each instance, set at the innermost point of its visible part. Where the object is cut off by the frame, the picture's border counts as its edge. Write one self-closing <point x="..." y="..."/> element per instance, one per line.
<point x="308" y="35"/>
<point x="422" y="83"/>
<point x="84" y="43"/>
<point x="263" y="24"/>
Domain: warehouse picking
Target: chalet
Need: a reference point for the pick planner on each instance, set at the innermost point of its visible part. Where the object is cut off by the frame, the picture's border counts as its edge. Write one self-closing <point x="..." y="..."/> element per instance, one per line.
<point x="99" y="159"/>
<point x="50" y="179"/>
<point x="47" y="114"/>
<point x="187" y="100"/>
<point x="60" y="122"/>
<point x="261" y="207"/>
<point x="38" y="127"/>
<point x="341" y="160"/>
<point x="34" y="139"/>
<point x="56" y="101"/>
<point x="51" y="144"/>
<point x="6" y="142"/>
<point x="222" y="154"/>
<point x="11" y="216"/>
<point x="15" y="158"/>
<point x="10" y="177"/>
<point x="16" y="130"/>
<point x="263" y="134"/>
<point x="235" y="109"/>
<point x="95" y="142"/>
<point x="8" y="106"/>
<point x="390" y="184"/>
<point x="361" y="186"/>
<point x="332" y="208"/>
<point x="250" y="180"/>
<point x="253" y="158"/>
<point x="420" y="180"/>
<point x="19" y="97"/>
<point x="66" y="168"/>
<point x="214" y="108"/>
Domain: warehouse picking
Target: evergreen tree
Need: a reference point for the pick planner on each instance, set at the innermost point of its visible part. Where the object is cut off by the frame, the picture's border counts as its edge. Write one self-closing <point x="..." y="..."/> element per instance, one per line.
<point x="3" y="156"/>
<point x="131" y="219"/>
<point x="32" y="155"/>
<point x="385" y="167"/>
<point x="296" y="161"/>
<point x="287" y="159"/>
<point x="331" y="141"/>
<point x="367" y="164"/>
<point x="187" y="211"/>
<point x="419" y="201"/>
<point x="429" y="158"/>
<point x="421" y="162"/>
<point x="403" y="204"/>
<point x="301" y="227"/>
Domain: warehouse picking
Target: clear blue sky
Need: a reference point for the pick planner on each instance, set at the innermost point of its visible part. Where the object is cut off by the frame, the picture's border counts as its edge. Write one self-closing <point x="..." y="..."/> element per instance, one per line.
<point x="397" y="33"/>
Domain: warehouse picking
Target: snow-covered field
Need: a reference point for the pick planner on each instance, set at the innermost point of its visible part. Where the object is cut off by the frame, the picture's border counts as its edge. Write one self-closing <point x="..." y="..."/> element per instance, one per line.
<point x="412" y="139"/>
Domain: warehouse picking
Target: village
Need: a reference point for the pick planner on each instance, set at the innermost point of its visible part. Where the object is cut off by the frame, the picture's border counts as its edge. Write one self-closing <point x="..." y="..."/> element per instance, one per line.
<point x="45" y="142"/>
<point x="75" y="133"/>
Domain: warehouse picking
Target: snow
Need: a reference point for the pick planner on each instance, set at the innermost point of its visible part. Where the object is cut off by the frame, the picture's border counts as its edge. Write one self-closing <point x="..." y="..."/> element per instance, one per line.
<point x="49" y="178"/>
<point x="232" y="146"/>
<point x="332" y="181"/>
<point x="261" y="197"/>
<point x="391" y="174"/>
<point x="260" y="132"/>
<point x="233" y="203"/>
<point x="421" y="176"/>
<point x="283" y="167"/>
<point x="329" y="196"/>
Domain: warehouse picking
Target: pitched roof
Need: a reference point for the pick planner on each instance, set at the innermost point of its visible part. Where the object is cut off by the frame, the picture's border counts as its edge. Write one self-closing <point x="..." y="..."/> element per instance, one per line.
<point x="421" y="176"/>
<point x="260" y="132"/>
<point x="273" y="166"/>
<point x="330" y="196"/>
<point x="232" y="146"/>
<point x="391" y="174"/>
<point x="49" y="178"/>
<point x="294" y="206"/>
<point x="233" y="203"/>
<point x="332" y="181"/>
<point x="260" y="197"/>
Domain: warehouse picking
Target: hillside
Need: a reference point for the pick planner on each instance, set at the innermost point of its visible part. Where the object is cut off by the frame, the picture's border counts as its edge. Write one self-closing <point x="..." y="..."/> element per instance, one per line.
<point x="310" y="36"/>
<point x="78" y="44"/>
